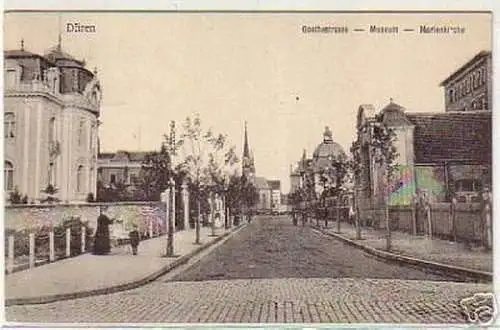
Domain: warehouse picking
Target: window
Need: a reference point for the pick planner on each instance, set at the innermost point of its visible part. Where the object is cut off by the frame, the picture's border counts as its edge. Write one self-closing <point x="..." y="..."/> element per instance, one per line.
<point x="451" y="96"/>
<point x="8" y="176"/>
<point x="9" y="125"/>
<point x="52" y="129"/>
<point x="91" y="137"/>
<point x="112" y="178"/>
<point x="10" y="79"/>
<point x="133" y="179"/>
<point x="80" y="132"/>
<point x="79" y="179"/>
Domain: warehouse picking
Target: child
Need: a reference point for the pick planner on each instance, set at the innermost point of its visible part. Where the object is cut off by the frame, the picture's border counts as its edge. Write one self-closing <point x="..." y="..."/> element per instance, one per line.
<point x="134" y="239"/>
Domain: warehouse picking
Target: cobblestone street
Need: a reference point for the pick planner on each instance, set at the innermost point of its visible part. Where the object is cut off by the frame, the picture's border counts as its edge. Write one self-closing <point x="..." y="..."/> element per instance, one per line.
<point x="272" y="271"/>
<point x="274" y="248"/>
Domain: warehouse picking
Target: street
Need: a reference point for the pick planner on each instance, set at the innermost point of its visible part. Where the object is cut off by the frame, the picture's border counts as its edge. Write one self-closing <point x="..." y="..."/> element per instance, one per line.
<point x="274" y="248"/>
<point x="272" y="271"/>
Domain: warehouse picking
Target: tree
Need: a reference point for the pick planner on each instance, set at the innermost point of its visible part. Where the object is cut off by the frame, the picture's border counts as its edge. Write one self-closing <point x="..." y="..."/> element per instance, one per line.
<point x="50" y="195"/>
<point x="385" y="153"/>
<point x="201" y="150"/>
<point x="156" y="171"/>
<point x="354" y="166"/>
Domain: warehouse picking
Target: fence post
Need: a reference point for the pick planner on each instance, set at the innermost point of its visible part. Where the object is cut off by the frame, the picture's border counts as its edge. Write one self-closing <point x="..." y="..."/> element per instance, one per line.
<point x="10" y="258"/>
<point x="68" y="242"/>
<point x="150" y="228"/>
<point x="84" y="235"/>
<point x="52" y="255"/>
<point x="414" y="211"/>
<point x="32" y="250"/>
<point x="429" y="219"/>
<point x="453" y="215"/>
<point x="337" y="210"/>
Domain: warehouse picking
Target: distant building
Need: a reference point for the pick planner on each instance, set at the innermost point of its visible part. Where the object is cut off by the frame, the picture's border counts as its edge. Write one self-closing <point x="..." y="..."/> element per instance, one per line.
<point x="51" y="110"/>
<point x="470" y="87"/>
<point x="275" y="187"/>
<point x="120" y="167"/>
<point x="306" y="174"/>
<point x="248" y="165"/>
<point x="264" y="192"/>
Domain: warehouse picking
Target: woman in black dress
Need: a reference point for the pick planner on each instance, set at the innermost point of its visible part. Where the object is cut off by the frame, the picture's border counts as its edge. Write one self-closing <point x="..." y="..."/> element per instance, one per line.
<point x="102" y="244"/>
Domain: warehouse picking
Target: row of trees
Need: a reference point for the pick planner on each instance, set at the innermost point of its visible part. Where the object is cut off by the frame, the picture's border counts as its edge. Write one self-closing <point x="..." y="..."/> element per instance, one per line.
<point x="341" y="176"/>
<point x="199" y="158"/>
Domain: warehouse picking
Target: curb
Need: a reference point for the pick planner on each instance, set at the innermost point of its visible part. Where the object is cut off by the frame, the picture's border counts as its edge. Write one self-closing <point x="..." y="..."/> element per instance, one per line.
<point x="477" y="275"/>
<point x="120" y="287"/>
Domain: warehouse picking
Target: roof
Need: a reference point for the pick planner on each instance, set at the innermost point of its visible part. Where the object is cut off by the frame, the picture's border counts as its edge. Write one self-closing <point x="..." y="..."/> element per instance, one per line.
<point x="56" y="54"/>
<point x="261" y="183"/>
<point x="394" y="115"/>
<point x="448" y="136"/>
<point x="476" y="58"/>
<point x="274" y="184"/>
<point x="19" y="53"/>
<point x="123" y="154"/>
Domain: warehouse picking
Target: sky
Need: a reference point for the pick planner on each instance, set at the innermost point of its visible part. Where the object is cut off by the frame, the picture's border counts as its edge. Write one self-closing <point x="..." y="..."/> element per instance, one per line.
<point x="254" y="67"/>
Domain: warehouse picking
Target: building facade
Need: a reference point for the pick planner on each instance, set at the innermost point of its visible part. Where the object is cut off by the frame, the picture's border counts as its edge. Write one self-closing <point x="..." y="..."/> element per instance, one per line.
<point x="121" y="167"/>
<point x="471" y="86"/>
<point x="265" y="194"/>
<point x="440" y="155"/>
<point x="275" y="187"/>
<point x="51" y="110"/>
<point x="312" y="174"/>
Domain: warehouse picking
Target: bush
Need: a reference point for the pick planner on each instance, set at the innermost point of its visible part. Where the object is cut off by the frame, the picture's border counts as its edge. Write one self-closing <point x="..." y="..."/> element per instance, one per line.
<point x="90" y="198"/>
<point x="21" y="239"/>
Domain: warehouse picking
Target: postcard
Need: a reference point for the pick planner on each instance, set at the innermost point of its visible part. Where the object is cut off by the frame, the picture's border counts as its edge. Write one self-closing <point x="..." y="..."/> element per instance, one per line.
<point x="248" y="168"/>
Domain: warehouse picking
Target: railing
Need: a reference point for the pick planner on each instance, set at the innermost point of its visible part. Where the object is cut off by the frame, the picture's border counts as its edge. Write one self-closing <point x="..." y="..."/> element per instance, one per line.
<point x="30" y="87"/>
<point x="30" y="249"/>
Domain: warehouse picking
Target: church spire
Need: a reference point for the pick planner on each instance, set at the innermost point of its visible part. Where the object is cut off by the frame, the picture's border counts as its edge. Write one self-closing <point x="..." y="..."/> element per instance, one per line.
<point x="59" y="37"/>
<point x="246" y="149"/>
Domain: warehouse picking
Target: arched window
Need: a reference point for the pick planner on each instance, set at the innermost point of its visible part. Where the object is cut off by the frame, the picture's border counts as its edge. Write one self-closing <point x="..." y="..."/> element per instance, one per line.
<point x="451" y="95"/>
<point x="80" y="132"/>
<point x="79" y="179"/>
<point x="52" y="129"/>
<point x="9" y="125"/>
<point x="8" y="176"/>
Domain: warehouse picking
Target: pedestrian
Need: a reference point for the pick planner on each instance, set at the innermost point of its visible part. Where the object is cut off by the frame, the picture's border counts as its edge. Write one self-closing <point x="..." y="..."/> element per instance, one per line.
<point x="134" y="239"/>
<point x="102" y="243"/>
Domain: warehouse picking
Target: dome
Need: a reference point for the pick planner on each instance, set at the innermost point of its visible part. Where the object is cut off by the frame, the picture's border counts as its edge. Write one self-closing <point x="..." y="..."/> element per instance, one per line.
<point x="55" y="54"/>
<point x="327" y="151"/>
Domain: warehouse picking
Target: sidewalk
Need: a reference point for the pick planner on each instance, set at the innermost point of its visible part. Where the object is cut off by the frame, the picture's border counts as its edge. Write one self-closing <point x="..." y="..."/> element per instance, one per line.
<point x="90" y="274"/>
<point x="419" y="247"/>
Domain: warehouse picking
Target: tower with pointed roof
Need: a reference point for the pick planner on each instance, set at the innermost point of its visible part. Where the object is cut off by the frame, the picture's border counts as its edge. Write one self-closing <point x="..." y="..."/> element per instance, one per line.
<point x="248" y="165"/>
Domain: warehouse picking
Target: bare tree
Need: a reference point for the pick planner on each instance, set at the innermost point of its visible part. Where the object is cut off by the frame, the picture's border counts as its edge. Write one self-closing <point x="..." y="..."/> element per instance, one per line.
<point x="204" y="155"/>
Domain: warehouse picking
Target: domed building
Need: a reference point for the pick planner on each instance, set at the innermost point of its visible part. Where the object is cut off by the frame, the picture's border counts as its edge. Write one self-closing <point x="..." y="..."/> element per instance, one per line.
<point x="324" y="155"/>
<point x="52" y="105"/>
<point x="309" y="171"/>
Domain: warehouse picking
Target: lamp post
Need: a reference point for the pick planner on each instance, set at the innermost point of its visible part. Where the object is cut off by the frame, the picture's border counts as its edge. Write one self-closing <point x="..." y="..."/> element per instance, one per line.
<point x="198" y="218"/>
<point x="170" y="226"/>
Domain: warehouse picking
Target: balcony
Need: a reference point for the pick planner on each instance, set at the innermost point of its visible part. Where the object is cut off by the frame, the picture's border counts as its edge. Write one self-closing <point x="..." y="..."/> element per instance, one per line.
<point x="35" y="86"/>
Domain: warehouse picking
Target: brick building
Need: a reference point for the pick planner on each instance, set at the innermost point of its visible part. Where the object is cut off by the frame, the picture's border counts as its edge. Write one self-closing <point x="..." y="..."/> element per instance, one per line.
<point x="471" y="86"/>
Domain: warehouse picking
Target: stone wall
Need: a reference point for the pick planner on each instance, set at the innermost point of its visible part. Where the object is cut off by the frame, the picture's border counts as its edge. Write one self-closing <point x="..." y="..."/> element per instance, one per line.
<point x="126" y="214"/>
